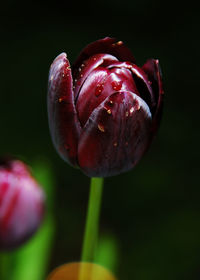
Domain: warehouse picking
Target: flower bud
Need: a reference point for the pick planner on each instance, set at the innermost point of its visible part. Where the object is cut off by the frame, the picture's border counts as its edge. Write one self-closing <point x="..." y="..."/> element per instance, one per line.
<point x="21" y="204"/>
<point x="104" y="112"/>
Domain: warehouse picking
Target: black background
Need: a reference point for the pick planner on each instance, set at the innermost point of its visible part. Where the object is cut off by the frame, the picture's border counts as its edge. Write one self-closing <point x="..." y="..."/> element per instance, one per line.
<point x="152" y="211"/>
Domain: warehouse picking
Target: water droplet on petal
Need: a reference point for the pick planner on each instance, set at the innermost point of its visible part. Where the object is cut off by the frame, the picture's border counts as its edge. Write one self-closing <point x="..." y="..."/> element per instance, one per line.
<point x="101" y="127"/>
<point x="116" y="85"/>
<point x="137" y="105"/>
<point x="131" y="110"/>
<point x="61" y="99"/>
<point x="115" y="144"/>
<point x="109" y="112"/>
<point x="98" y="89"/>
<point x="97" y="92"/>
<point x="119" y="43"/>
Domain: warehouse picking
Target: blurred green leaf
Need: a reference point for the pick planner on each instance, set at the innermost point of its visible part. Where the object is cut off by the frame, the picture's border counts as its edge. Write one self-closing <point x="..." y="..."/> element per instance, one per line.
<point x="107" y="253"/>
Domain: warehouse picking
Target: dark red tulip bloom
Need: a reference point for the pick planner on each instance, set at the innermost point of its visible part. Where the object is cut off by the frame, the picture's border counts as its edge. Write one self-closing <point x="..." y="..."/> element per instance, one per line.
<point x="21" y="204"/>
<point x="104" y="112"/>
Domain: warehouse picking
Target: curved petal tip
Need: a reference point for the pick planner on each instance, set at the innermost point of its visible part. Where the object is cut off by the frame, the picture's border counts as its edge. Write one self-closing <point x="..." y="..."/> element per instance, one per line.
<point x="106" y="45"/>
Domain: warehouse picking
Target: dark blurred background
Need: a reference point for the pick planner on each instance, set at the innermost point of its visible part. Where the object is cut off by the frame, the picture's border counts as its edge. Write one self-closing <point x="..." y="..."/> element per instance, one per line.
<point x="153" y="211"/>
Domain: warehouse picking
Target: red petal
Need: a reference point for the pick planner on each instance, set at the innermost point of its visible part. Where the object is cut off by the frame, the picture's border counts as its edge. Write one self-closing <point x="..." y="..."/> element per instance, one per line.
<point x="87" y="67"/>
<point x="106" y="46"/>
<point x="141" y="80"/>
<point x="115" y="136"/>
<point x="99" y="85"/>
<point x="153" y="71"/>
<point x="63" y="122"/>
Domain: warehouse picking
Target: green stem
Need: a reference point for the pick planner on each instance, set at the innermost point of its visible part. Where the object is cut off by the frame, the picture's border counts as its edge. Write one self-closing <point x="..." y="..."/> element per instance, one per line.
<point x="92" y="220"/>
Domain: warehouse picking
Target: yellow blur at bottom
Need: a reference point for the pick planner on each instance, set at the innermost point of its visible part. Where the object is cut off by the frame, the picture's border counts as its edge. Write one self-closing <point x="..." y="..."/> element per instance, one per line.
<point x="81" y="271"/>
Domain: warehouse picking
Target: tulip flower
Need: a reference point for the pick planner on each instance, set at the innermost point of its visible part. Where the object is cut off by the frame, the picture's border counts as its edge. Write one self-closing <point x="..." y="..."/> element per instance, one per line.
<point x="104" y="112"/>
<point x="21" y="204"/>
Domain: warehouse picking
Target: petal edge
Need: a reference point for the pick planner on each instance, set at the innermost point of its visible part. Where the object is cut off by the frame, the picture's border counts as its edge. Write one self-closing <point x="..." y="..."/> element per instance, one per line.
<point x="63" y="122"/>
<point x="153" y="71"/>
<point x="106" y="45"/>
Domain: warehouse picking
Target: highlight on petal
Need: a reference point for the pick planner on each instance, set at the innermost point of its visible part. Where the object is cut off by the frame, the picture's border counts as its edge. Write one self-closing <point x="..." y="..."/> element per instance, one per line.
<point x="106" y="45"/>
<point x="63" y="122"/>
<point x="101" y="83"/>
<point x="81" y="73"/>
<point x="153" y="71"/>
<point x="92" y="93"/>
<point x="115" y="136"/>
<point x="144" y="89"/>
